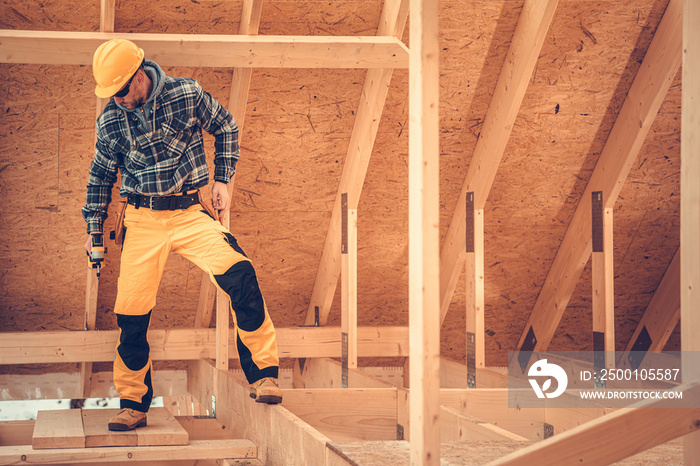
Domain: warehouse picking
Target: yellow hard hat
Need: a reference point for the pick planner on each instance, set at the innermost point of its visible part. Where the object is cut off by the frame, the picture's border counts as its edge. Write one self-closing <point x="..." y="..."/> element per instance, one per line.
<point x="113" y="64"/>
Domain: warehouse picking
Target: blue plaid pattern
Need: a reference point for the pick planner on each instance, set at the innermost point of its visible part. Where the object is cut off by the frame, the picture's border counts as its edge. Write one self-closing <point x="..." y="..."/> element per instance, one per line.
<point x="164" y="157"/>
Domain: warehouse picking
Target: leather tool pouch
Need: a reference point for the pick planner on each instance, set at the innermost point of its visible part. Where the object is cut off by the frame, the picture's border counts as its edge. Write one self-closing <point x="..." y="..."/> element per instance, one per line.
<point x="208" y="205"/>
<point x="118" y="234"/>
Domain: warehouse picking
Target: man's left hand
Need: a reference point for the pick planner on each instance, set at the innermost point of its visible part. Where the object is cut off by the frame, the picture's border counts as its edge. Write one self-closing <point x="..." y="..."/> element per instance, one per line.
<point x="220" y="198"/>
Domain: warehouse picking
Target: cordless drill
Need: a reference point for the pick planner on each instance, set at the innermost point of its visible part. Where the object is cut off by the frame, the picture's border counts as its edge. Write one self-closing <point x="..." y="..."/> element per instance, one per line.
<point x="97" y="254"/>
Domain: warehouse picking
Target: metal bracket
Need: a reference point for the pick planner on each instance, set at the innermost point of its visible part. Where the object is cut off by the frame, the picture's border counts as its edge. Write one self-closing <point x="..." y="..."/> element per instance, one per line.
<point x="471" y="360"/>
<point x="344" y="358"/>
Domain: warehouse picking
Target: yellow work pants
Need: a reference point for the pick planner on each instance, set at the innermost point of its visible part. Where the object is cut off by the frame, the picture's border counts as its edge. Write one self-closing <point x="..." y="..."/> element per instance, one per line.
<point x="150" y="238"/>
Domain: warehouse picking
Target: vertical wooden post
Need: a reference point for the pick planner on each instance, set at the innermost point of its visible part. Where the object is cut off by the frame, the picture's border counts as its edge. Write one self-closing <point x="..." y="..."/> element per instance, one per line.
<point x="603" y="298"/>
<point x="348" y="267"/>
<point x="423" y="233"/>
<point x="91" y="289"/>
<point x="690" y="206"/>
<point x="474" y="271"/>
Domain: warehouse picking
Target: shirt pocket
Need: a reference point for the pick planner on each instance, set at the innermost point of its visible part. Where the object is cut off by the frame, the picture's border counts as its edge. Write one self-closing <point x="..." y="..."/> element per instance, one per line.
<point x="177" y="133"/>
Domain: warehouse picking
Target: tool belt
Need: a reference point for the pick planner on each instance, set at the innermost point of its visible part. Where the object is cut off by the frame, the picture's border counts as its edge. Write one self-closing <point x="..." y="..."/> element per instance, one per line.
<point x="174" y="202"/>
<point x="119" y="230"/>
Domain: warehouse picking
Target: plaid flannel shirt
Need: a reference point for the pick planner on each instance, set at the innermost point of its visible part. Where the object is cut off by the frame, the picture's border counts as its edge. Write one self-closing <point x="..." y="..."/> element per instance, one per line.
<point x="165" y="158"/>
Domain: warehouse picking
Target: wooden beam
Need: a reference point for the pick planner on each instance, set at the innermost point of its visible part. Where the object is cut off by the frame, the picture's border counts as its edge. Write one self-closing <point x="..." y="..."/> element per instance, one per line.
<point x="280" y="436"/>
<point x="349" y="289"/>
<point x="660" y="317"/>
<point x="645" y="96"/>
<point x="532" y="27"/>
<point x="196" y="450"/>
<point x="328" y="373"/>
<point x="238" y="99"/>
<point x="603" y="294"/>
<point x="457" y="426"/>
<point x="353" y="414"/>
<point x="91" y="292"/>
<point x="474" y="270"/>
<point x="690" y="207"/>
<point x="424" y="232"/>
<point x="209" y="50"/>
<point x="491" y="405"/>
<point x="616" y="436"/>
<point x="188" y="344"/>
<point x="391" y="23"/>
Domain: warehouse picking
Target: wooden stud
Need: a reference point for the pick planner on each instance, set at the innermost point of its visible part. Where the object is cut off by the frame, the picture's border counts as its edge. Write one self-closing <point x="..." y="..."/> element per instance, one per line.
<point x="690" y="207"/>
<point x="474" y="270"/>
<point x="532" y="27"/>
<point x="349" y="290"/>
<point x="424" y="232"/>
<point x="209" y="50"/>
<point x="391" y="23"/>
<point x="646" y="94"/>
<point x="328" y="373"/>
<point x="603" y="274"/>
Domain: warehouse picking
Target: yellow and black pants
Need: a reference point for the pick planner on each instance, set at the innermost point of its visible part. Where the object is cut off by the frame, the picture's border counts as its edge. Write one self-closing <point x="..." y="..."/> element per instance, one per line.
<point x="150" y="238"/>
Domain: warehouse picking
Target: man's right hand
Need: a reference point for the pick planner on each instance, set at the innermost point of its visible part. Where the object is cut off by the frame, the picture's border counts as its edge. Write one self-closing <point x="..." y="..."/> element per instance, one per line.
<point x="88" y="243"/>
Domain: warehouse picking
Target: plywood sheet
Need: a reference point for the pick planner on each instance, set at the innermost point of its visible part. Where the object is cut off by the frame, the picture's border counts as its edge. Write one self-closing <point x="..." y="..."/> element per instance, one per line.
<point x="162" y="429"/>
<point x="58" y="429"/>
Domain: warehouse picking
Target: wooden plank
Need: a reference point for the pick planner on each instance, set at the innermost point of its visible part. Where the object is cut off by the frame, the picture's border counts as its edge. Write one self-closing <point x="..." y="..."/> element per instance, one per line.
<point x="209" y="50"/>
<point x="238" y="98"/>
<point x="603" y="299"/>
<point x="196" y="450"/>
<point x="690" y="206"/>
<point x="271" y="427"/>
<point x="661" y="315"/>
<point x="327" y="373"/>
<point x="454" y="375"/>
<point x="16" y="433"/>
<point x="532" y="27"/>
<point x="58" y="429"/>
<point x="353" y="414"/>
<point x="658" y="69"/>
<point x="189" y="344"/>
<point x="457" y="426"/>
<point x="349" y="292"/>
<point x="424" y="232"/>
<point x="364" y="131"/>
<point x="162" y="429"/>
<point x="491" y="405"/>
<point x="615" y="436"/>
<point x="474" y="269"/>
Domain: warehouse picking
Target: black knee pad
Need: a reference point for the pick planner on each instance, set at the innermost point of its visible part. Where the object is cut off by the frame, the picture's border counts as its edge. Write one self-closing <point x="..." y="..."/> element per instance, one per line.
<point x="133" y="342"/>
<point x="241" y="285"/>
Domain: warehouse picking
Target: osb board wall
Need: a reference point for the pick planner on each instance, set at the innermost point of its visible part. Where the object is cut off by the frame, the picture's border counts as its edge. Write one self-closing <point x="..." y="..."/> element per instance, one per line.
<point x="298" y="124"/>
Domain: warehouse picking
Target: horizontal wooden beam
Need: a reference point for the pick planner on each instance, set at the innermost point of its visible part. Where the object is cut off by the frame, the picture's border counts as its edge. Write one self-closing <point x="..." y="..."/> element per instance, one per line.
<point x="614" y="437"/>
<point x="192" y="343"/>
<point x="210" y="50"/>
<point x="281" y="437"/>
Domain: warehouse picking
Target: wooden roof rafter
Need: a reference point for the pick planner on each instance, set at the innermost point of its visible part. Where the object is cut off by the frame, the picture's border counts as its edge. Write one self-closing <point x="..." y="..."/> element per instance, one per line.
<point x="646" y="94"/>
<point x="528" y="38"/>
<point x="391" y="24"/>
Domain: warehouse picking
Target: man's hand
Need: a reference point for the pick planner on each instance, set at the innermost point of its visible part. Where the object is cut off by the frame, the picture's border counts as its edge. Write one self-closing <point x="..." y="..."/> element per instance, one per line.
<point x="220" y="198"/>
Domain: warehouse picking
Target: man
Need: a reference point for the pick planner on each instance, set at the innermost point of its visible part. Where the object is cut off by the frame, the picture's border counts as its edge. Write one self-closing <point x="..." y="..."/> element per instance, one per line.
<point x="151" y="131"/>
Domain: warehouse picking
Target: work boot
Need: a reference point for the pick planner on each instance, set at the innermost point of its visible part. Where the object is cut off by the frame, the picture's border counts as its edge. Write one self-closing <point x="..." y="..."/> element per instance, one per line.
<point x="266" y="391"/>
<point x="127" y="419"/>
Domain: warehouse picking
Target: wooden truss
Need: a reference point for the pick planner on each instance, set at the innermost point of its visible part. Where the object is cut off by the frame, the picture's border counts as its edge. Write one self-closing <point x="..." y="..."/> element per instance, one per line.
<point x="334" y="406"/>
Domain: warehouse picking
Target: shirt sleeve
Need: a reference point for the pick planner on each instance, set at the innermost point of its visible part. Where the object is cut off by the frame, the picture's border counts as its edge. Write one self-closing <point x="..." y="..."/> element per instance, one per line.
<point x="103" y="174"/>
<point x="217" y="121"/>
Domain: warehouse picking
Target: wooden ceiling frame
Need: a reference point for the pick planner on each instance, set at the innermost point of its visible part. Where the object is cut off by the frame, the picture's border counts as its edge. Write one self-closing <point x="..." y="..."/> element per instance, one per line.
<point x="369" y="111"/>
<point x="210" y="50"/>
<point x="528" y="38"/>
<point x="647" y="92"/>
